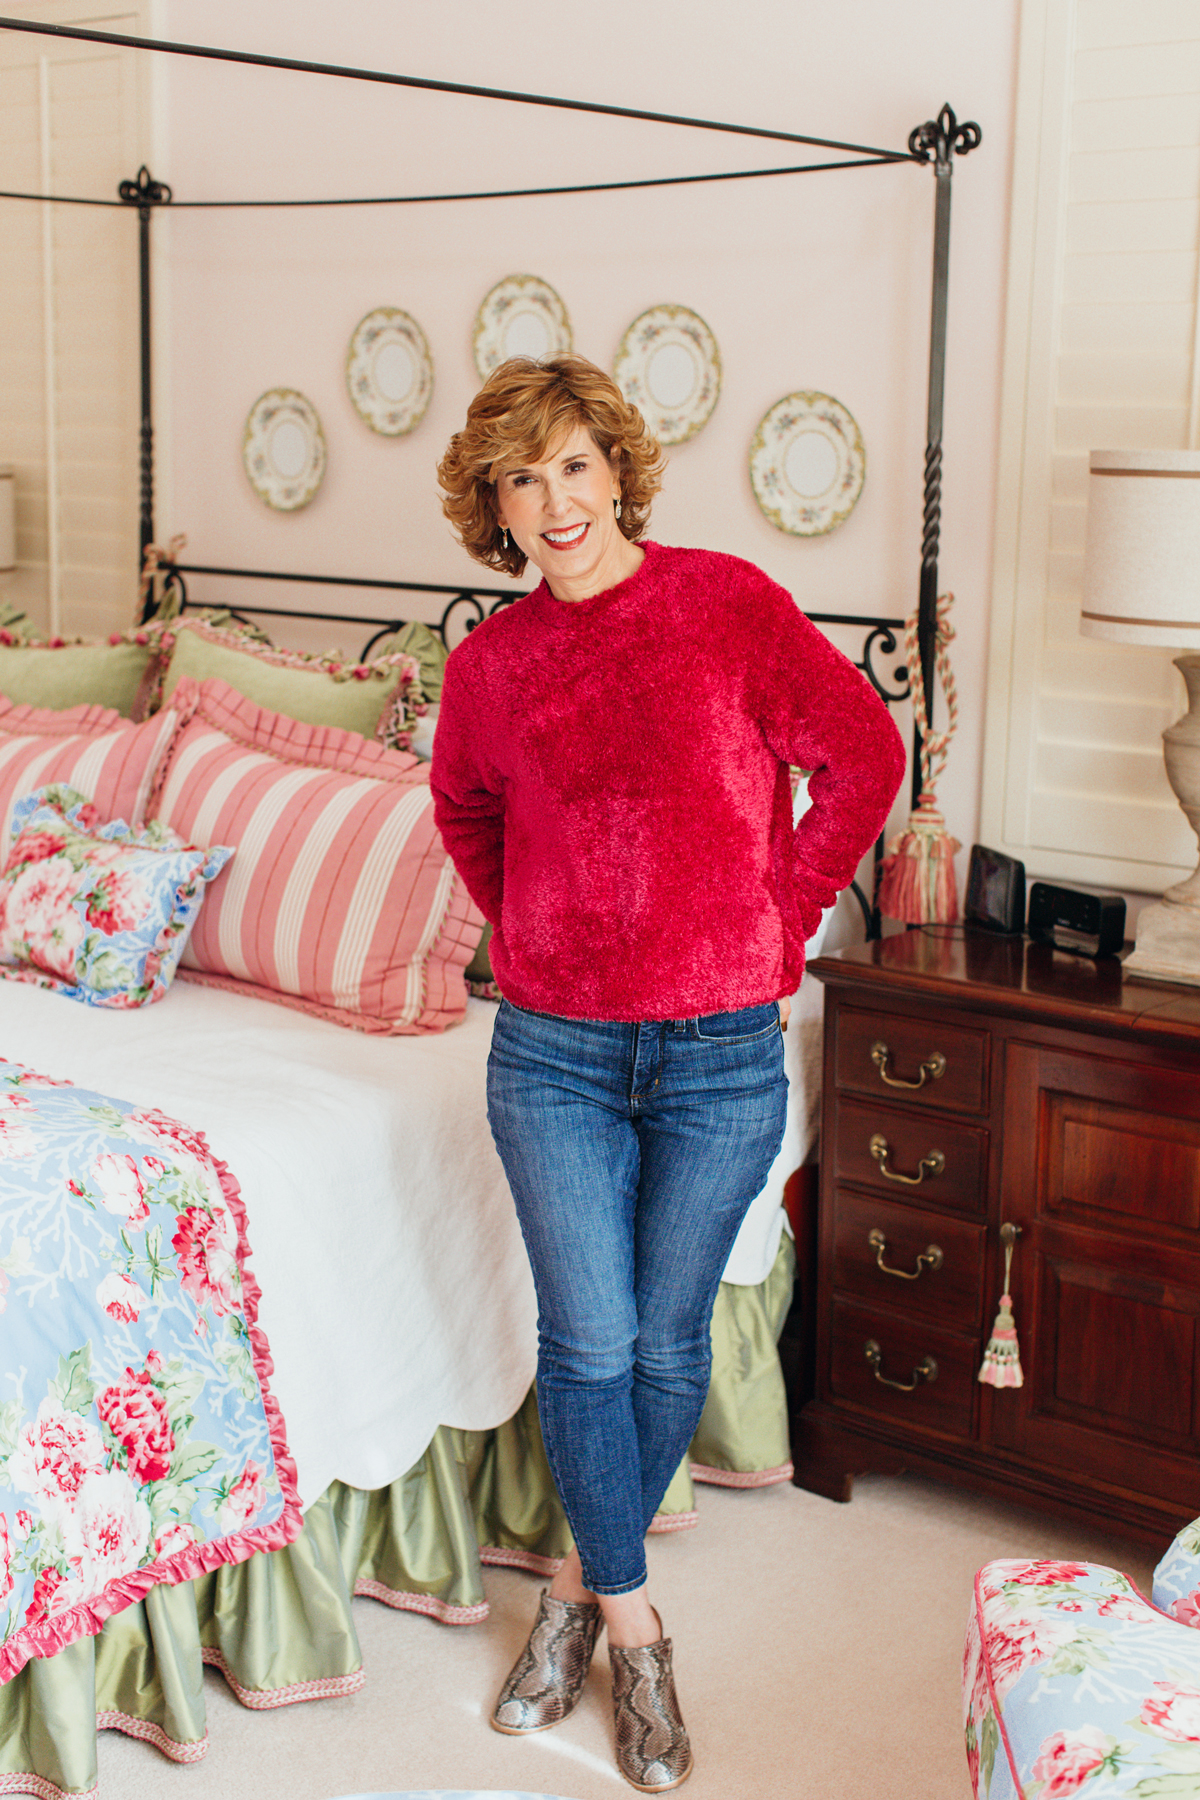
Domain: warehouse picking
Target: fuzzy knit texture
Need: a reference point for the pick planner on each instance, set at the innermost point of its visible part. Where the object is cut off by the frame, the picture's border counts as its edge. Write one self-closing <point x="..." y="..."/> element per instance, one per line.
<point x="611" y="780"/>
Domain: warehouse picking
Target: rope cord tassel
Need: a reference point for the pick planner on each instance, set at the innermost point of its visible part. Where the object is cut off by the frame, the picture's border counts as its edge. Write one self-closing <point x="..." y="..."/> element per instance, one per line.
<point x="917" y="882"/>
<point x="1001" y="1365"/>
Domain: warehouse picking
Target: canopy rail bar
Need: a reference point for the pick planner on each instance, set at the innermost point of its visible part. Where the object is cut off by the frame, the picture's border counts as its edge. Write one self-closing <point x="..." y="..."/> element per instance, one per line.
<point x="525" y="193"/>
<point x="89" y="34"/>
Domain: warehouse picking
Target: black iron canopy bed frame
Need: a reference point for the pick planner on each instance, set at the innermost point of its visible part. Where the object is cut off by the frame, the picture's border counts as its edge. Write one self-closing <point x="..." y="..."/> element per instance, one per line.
<point x="934" y="143"/>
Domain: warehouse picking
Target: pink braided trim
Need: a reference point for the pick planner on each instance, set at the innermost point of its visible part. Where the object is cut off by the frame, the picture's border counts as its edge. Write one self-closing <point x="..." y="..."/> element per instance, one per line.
<point x="673" y="1522"/>
<point x="46" y="1637"/>
<point x="429" y="1604"/>
<point x="43" y="1789"/>
<point x="151" y="1733"/>
<point x="265" y="1699"/>
<point x="501" y="1557"/>
<point x="734" y="1479"/>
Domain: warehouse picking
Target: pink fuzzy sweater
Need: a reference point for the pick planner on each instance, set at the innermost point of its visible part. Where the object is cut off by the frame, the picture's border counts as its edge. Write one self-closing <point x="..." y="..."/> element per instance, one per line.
<point x="611" y="779"/>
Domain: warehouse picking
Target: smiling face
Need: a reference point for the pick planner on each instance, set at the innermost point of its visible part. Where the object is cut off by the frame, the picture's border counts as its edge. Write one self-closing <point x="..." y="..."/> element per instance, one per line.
<point x="560" y="513"/>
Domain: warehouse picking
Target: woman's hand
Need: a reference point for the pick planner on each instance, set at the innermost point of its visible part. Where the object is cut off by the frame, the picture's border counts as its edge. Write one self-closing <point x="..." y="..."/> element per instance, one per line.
<point x="785" y="1009"/>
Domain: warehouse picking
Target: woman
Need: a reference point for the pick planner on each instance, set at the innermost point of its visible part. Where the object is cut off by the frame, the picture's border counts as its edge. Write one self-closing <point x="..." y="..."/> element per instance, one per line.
<point x="611" y="776"/>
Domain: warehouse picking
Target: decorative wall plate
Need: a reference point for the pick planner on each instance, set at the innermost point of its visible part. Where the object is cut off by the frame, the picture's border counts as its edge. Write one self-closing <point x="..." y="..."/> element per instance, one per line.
<point x="669" y="367"/>
<point x="521" y="316"/>
<point x="283" y="449"/>
<point x="807" y="464"/>
<point x="389" y="371"/>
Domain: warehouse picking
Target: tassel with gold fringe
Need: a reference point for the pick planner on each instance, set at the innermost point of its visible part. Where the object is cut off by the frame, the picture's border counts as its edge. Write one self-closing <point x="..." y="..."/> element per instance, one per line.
<point x="1001" y="1365"/>
<point x="917" y="883"/>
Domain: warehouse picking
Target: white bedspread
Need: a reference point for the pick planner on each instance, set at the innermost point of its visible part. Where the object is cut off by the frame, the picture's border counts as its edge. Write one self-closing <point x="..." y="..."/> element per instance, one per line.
<point x="396" y="1293"/>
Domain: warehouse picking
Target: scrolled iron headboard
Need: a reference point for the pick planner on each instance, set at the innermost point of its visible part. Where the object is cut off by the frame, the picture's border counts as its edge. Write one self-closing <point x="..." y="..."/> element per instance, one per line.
<point x="883" y="637"/>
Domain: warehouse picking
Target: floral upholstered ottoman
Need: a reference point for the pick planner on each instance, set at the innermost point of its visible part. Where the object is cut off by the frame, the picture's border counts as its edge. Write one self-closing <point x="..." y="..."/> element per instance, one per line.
<point x="1073" y="1683"/>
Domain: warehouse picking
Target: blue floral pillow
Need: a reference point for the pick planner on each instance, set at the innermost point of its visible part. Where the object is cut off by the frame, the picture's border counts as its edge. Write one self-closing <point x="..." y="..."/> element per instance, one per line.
<point x="97" y="911"/>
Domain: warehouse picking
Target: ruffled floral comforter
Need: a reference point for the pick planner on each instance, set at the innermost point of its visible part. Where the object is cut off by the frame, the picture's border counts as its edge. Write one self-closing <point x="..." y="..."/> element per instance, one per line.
<point x="138" y="1441"/>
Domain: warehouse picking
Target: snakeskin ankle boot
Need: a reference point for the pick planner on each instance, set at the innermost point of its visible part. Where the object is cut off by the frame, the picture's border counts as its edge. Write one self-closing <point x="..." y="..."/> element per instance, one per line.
<point x="547" y="1678"/>
<point x="653" y="1752"/>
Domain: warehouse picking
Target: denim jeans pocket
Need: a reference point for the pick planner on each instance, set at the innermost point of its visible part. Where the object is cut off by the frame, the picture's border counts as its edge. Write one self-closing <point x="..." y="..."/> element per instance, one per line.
<point x="741" y="1027"/>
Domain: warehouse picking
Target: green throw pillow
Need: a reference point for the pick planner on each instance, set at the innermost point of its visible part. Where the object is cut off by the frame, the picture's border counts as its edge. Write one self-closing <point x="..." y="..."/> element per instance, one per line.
<point x="426" y="645"/>
<point x="75" y="674"/>
<point x="316" y="690"/>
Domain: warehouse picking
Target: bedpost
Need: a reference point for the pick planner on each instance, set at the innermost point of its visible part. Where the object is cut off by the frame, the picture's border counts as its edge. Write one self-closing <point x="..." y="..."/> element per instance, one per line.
<point x="937" y="141"/>
<point x="145" y="193"/>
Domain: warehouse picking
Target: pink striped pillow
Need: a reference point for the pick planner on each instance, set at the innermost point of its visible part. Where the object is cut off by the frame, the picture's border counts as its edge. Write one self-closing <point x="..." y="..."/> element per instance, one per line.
<point x="340" y="899"/>
<point x="89" y="748"/>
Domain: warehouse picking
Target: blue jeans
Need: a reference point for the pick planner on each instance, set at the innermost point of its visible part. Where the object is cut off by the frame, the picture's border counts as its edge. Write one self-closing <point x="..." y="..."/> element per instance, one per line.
<point x="633" y="1153"/>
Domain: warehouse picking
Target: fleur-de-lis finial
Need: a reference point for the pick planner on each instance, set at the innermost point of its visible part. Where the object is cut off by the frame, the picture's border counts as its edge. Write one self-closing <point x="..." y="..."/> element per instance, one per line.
<point x="941" y="138"/>
<point x="145" y="191"/>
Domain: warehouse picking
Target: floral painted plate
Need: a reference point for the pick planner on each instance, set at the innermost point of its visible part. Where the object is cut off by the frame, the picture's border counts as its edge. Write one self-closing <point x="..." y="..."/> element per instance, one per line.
<point x="283" y="448"/>
<point x="389" y="371"/>
<point x="669" y="367"/>
<point x="807" y="464"/>
<point x="521" y="316"/>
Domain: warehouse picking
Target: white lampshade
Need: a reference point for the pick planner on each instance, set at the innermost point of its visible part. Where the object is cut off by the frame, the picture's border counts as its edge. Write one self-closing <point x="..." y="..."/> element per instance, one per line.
<point x="1141" y="576"/>
<point x="8" y="530"/>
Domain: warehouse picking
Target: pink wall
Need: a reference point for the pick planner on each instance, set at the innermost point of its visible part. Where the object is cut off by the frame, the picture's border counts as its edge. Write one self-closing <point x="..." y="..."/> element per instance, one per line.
<point x="815" y="281"/>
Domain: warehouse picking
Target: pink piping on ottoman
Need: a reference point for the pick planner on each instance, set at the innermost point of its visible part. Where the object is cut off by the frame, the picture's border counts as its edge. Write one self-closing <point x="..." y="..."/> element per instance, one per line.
<point x="266" y="1699"/>
<point x="985" y="1658"/>
<point x="731" y="1478"/>
<point x="47" y="1636"/>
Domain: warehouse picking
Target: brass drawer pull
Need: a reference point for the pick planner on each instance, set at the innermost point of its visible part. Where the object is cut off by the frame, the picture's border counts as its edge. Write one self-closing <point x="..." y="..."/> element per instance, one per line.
<point x="932" y="1069"/>
<point x="926" y="1370"/>
<point x="930" y="1258"/>
<point x="933" y="1163"/>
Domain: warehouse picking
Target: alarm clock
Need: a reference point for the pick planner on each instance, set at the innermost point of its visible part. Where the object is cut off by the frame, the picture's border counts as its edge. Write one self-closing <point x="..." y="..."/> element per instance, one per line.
<point x="1087" y="924"/>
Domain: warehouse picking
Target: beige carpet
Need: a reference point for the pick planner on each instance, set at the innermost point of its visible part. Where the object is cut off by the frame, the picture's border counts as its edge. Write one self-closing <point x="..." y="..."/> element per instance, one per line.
<point x="817" y="1654"/>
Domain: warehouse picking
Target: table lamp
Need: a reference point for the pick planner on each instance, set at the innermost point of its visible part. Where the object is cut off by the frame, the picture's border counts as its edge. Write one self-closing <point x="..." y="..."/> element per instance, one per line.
<point x="1141" y="585"/>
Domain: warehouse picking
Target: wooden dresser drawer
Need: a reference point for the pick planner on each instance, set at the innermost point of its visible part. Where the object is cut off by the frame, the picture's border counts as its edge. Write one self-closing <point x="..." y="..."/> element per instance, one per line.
<point x="927" y="1161"/>
<point x="944" y="1403"/>
<point x="918" y="1061"/>
<point x="949" y="1293"/>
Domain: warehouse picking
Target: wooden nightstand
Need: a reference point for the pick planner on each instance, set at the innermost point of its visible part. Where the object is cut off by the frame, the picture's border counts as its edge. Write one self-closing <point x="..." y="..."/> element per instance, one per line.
<point x="971" y="1081"/>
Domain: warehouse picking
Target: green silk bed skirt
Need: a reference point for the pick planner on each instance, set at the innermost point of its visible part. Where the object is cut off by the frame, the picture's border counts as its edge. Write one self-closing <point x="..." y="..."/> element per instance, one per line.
<point x="280" y="1626"/>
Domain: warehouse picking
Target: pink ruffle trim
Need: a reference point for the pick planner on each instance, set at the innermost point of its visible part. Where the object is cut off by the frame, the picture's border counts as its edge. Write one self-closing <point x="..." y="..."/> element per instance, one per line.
<point x="731" y="1478"/>
<point x="46" y="1637"/>
<point x="267" y="1699"/>
<point x="429" y="1604"/>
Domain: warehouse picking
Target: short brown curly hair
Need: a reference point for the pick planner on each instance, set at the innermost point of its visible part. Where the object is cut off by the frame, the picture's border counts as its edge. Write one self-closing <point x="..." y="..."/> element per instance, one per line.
<point x="522" y="409"/>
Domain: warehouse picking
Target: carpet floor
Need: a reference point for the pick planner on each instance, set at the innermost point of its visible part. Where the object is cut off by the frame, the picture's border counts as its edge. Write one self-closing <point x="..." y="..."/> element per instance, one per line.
<point x="818" y="1650"/>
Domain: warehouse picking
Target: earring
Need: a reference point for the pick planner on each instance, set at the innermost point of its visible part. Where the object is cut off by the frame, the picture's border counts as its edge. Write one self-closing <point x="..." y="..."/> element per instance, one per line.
<point x="617" y="509"/>
<point x="504" y="537"/>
